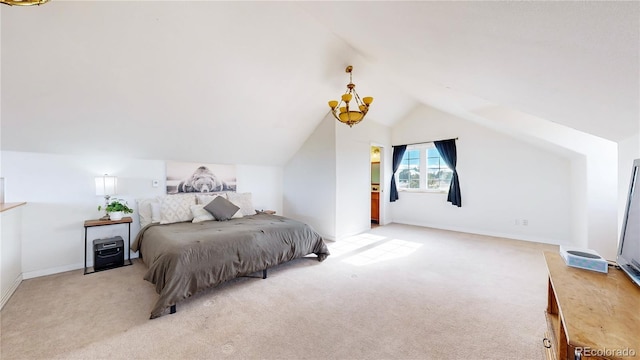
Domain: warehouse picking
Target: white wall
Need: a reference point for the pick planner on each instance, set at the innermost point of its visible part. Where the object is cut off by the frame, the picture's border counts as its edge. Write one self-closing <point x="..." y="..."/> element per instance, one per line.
<point x="503" y="182"/>
<point x="60" y="192"/>
<point x="579" y="200"/>
<point x="328" y="181"/>
<point x="264" y="183"/>
<point x="628" y="150"/>
<point x="310" y="181"/>
<point x="353" y="174"/>
<point x="602" y="200"/>
<point x="598" y="162"/>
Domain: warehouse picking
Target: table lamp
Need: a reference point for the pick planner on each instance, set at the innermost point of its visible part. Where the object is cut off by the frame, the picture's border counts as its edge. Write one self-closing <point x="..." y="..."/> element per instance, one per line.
<point x="106" y="186"/>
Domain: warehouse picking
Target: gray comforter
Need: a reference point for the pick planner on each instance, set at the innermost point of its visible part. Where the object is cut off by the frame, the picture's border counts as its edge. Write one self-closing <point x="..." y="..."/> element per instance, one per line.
<point x="184" y="258"/>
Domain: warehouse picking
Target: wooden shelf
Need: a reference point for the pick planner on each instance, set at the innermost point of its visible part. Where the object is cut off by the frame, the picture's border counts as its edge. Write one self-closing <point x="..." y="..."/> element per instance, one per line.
<point x="100" y="222"/>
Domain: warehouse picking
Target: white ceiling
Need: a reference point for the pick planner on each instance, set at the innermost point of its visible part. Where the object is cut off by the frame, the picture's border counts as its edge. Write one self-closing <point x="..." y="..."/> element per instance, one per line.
<point x="247" y="82"/>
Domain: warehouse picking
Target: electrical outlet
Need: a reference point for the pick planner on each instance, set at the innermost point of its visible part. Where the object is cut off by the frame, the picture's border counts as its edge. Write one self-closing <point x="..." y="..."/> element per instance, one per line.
<point x="525" y="222"/>
<point x="155" y="183"/>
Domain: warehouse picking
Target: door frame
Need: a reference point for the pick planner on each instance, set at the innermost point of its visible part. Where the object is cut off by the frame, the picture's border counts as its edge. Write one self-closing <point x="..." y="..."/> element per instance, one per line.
<point x="382" y="203"/>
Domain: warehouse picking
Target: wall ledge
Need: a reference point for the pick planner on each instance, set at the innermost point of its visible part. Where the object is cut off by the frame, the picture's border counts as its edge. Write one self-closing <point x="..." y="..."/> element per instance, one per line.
<point x="9" y="206"/>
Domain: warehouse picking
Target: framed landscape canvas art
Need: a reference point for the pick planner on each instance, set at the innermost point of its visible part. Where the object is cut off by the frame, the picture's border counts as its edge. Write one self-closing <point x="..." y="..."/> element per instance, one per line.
<point x="185" y="177"/>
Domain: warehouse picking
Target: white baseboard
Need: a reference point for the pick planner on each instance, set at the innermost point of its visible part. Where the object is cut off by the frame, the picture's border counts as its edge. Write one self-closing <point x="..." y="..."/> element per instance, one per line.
<point x="329" y="238"/>
<point x="59" y="269"/>
<point x="488" y="233"/>
<point x="51" y="271"/>
<point x="5" y="297"/>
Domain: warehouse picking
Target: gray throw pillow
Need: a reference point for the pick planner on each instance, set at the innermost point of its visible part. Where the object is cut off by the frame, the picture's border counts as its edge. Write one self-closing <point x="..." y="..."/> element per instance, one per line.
<point x="221" y="208"/>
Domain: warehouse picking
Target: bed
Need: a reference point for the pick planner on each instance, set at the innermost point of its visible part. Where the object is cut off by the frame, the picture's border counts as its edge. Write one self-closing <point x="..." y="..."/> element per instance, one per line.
<point x="184" y="258"/>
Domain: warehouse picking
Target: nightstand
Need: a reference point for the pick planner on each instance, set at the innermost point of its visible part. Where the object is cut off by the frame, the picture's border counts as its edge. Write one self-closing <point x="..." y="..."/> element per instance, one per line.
<point x="93" y="223"/>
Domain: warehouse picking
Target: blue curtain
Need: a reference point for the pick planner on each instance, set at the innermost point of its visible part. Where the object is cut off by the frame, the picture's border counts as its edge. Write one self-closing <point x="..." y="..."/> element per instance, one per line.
<point x="398" y="153"/>
<point x="447" y="150"/>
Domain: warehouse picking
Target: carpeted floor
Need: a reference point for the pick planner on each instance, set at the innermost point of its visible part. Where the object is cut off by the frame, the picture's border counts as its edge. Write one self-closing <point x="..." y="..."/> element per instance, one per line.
<point x="396" y="292"/>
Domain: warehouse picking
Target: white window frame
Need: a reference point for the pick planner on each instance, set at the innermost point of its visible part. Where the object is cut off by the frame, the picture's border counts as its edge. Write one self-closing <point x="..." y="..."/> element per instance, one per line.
<point x="423" y="170"/>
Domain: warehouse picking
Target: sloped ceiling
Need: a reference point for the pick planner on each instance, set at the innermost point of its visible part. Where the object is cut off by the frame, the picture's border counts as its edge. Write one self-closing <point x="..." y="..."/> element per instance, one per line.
<point x="247" y="82"/>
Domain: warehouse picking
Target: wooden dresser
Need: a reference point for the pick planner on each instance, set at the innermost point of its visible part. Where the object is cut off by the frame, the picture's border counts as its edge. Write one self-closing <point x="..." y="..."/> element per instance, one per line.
<point x="592" y="314"/>
<point x="375" y="207"/>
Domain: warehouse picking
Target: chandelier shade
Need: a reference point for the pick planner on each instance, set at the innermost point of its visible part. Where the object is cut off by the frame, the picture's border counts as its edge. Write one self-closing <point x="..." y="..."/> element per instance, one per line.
<point x="351" y="109"/>
<point x="23" y="2"/>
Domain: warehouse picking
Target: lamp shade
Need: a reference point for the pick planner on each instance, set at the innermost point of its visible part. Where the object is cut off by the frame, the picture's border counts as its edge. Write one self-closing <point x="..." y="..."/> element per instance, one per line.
<point x="106" y="185"/>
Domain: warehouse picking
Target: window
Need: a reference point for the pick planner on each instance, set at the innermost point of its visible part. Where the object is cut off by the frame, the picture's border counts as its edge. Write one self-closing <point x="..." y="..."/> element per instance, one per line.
<point x="409" y="170"/>
<point x="422" y="168"/>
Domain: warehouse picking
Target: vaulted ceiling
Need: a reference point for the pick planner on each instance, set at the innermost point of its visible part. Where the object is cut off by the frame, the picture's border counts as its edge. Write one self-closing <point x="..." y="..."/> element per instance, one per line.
<point x="247" y="82"/>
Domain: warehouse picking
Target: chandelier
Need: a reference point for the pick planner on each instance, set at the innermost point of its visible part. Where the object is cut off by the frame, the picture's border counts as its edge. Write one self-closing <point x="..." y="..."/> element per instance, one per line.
<point x="353" y="114"/>
<point x="23" y="2"/>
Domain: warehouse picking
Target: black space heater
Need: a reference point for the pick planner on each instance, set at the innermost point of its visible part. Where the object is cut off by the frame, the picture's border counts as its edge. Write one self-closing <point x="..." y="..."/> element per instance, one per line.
<point x="108" y="253"/>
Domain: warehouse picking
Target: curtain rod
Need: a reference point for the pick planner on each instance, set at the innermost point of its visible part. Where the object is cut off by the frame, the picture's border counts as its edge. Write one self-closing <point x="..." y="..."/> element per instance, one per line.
<point x="425" y="142"/>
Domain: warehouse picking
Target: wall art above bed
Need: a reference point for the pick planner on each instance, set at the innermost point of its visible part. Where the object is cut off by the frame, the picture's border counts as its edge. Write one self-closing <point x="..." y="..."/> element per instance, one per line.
<point x="184" y="177"/>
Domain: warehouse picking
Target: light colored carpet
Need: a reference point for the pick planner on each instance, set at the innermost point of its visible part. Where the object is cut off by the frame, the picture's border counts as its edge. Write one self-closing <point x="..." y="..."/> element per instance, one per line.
<point x="396" y="292"/>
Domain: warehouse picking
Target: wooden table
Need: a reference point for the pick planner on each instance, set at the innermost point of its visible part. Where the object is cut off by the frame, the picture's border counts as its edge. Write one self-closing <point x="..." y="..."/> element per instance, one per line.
<point x="101" y="222"/>
<point x="592" y="314"/>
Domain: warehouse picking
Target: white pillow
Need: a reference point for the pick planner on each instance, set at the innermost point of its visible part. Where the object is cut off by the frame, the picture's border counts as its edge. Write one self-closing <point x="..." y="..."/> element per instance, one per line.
<point x="155" y="212"/>
<point x="200" y="214"/>
<point x="176" y="208"/>
<point x="243" y="201"/>
<point x="205" y="199"/>
<point x="145" y="211"/>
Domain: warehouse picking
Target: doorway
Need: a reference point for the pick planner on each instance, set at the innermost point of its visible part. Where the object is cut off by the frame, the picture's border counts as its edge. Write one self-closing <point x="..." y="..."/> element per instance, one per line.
<point x="376" y="185"/>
